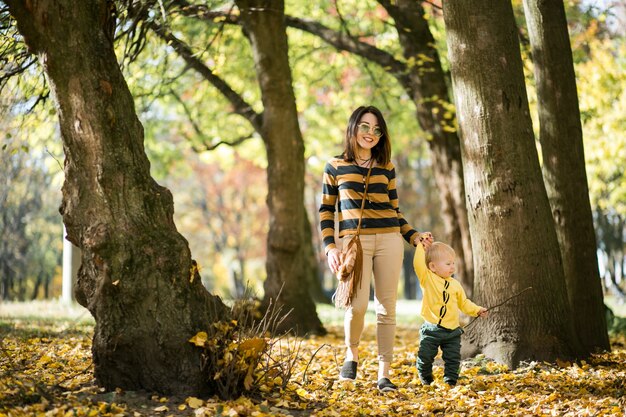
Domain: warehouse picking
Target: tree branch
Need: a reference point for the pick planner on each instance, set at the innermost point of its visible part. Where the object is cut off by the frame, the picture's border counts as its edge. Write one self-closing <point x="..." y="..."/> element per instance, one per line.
<point x="187" y="111"/>
<point x="204" y="13"/>
<point x="338" y="40"/>
<point x="349" y="44"/>
<point x="200" y="133"/>
<point x="240" y="106"/>
<point x="212" y="146"/>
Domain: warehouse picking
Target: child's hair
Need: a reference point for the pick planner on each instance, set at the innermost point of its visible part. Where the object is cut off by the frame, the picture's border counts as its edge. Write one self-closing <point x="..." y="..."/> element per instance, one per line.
<point x="436" y="250"/>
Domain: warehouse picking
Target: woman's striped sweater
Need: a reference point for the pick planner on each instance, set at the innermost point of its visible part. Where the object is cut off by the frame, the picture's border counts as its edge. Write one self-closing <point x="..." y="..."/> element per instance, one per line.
<point x="381" y="214"/>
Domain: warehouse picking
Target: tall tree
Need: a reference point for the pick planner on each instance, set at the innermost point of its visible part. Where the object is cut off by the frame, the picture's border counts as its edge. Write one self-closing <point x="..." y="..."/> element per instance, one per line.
<point x="565" y="177"/>
<point x="263" y="22"/>
<point x="512" y="230"/>
<point x="137" y="277"/>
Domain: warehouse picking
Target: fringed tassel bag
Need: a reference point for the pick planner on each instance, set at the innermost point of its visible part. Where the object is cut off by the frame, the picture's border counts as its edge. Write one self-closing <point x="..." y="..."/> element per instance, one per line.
<point x="350" y="269"/>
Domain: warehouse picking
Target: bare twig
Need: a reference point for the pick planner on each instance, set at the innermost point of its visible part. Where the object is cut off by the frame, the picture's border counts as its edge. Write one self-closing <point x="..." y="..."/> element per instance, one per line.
<point x="55" y="158"/>
<point x="304" y="380"/>
<point x="500" y="304"/>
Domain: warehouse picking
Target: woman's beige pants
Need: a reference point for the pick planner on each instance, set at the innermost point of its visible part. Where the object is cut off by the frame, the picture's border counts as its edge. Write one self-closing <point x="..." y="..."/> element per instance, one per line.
<point x="382" y="256"/>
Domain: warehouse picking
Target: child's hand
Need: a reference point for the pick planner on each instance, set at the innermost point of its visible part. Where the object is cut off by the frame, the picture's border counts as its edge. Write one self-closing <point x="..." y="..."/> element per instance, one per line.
<point x="483" y="312"/>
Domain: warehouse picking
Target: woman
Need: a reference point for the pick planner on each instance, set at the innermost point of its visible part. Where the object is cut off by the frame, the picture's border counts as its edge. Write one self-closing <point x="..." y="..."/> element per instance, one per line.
<point x="382" y="229"/>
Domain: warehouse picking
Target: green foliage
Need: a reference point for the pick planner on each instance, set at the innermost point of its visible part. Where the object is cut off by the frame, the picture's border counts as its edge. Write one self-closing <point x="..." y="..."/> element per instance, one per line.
<point x="602" y="89"/>
<point x="340" y="81"/>
<point x="179" y="109"/>
<point x="30" y="230"/>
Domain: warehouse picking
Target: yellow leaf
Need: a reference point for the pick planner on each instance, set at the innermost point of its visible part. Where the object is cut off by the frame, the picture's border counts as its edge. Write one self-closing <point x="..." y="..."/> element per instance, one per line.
<point x="161" y="408"/>
<point x="199" y="339"/>
<point x="256" y="345"/>
<point x="302" y="393"/>
<point x="194" y="402"/>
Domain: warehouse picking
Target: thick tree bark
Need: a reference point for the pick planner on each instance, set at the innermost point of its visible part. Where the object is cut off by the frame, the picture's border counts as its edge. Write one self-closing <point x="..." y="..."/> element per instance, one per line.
<point x="136" y="276"/>
<point x="560" y="134"/>
<point x="263" y="23"/>
<point x="512" y="230"/>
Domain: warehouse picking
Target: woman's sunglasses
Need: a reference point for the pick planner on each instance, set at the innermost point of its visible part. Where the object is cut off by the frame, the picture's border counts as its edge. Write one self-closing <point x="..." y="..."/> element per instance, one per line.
<point x="365" y="128"/>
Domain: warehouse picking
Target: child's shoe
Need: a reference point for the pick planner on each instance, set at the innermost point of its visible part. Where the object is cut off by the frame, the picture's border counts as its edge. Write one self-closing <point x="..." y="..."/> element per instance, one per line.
<point x="426" y="381"/>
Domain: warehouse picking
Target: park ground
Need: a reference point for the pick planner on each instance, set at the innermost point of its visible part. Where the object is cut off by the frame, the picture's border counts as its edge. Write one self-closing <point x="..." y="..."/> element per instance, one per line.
<point x="46" y="370"/>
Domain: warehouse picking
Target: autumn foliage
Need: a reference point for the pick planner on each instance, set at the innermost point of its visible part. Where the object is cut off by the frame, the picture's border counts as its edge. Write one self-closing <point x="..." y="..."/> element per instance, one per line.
<point x="46" y="369"/>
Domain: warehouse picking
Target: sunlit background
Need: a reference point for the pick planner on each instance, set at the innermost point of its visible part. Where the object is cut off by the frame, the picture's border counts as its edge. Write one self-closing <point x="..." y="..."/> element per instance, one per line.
<point x="220" y="193"/>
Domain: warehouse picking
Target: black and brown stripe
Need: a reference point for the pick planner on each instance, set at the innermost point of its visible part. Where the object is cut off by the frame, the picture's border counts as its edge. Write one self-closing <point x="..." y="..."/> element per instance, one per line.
<point x="343" y="187"/>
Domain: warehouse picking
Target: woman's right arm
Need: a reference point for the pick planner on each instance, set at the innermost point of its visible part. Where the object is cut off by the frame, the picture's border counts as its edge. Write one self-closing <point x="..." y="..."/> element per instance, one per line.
<point x="330" y="193"/>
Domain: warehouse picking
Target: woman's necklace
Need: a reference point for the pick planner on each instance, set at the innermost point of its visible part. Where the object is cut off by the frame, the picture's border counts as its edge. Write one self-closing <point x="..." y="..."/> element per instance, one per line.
<point x="364" y="162"/>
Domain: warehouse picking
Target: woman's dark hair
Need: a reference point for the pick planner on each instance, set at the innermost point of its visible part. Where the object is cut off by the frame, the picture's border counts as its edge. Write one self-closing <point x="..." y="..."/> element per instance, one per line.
<point x="382" y="151"/>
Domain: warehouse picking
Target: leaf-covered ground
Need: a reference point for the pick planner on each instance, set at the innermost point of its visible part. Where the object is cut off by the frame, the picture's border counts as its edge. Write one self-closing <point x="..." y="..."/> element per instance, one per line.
<point x="45" y="369"/>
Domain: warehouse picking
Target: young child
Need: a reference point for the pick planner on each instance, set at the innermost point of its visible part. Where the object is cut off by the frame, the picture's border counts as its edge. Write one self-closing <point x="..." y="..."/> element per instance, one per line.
<point x="443" y="299"/>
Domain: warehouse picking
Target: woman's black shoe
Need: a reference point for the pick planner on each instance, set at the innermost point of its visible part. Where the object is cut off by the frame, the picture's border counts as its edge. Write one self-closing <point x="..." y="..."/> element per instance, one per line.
<point x="385" y="385"/>
<point x="348" y="370"/>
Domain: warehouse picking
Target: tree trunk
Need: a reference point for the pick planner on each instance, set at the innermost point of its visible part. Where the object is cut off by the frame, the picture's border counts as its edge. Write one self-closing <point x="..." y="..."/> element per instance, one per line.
<point x="427" y="87"/>
<point x="564" y="174"/>
<point x="36" y="286"/>
<point x="311" y="267"/>
<point x="510" y="222"/>
<point x="136" y="276"/>
<point x="263" y="23"/>
<point x="411" y="289"/>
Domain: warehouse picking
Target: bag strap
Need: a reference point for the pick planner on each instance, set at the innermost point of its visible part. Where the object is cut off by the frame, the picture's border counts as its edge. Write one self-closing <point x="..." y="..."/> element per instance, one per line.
<point x="367" y="181"/>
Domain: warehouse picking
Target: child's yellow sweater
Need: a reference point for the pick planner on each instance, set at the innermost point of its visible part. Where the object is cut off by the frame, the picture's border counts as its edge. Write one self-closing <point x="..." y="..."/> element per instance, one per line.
<point x="443" y="297"/>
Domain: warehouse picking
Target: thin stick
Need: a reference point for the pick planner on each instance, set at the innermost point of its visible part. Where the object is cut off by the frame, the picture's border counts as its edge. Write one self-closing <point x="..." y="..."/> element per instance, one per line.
<point x="310" y="360"/>
<point x="498" y="305"/>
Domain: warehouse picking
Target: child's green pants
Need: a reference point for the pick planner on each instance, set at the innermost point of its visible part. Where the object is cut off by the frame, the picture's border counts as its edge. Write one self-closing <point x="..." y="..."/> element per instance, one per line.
<point x="431" y="338"/>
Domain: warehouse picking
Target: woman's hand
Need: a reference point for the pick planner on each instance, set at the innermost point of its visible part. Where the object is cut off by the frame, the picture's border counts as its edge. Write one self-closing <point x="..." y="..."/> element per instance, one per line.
<point x="426" y="239"/>
<point x="333" y="259"/>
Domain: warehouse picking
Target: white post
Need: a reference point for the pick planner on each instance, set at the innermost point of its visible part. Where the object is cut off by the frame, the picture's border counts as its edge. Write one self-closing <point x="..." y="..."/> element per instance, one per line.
<point x="71" y="263"/>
